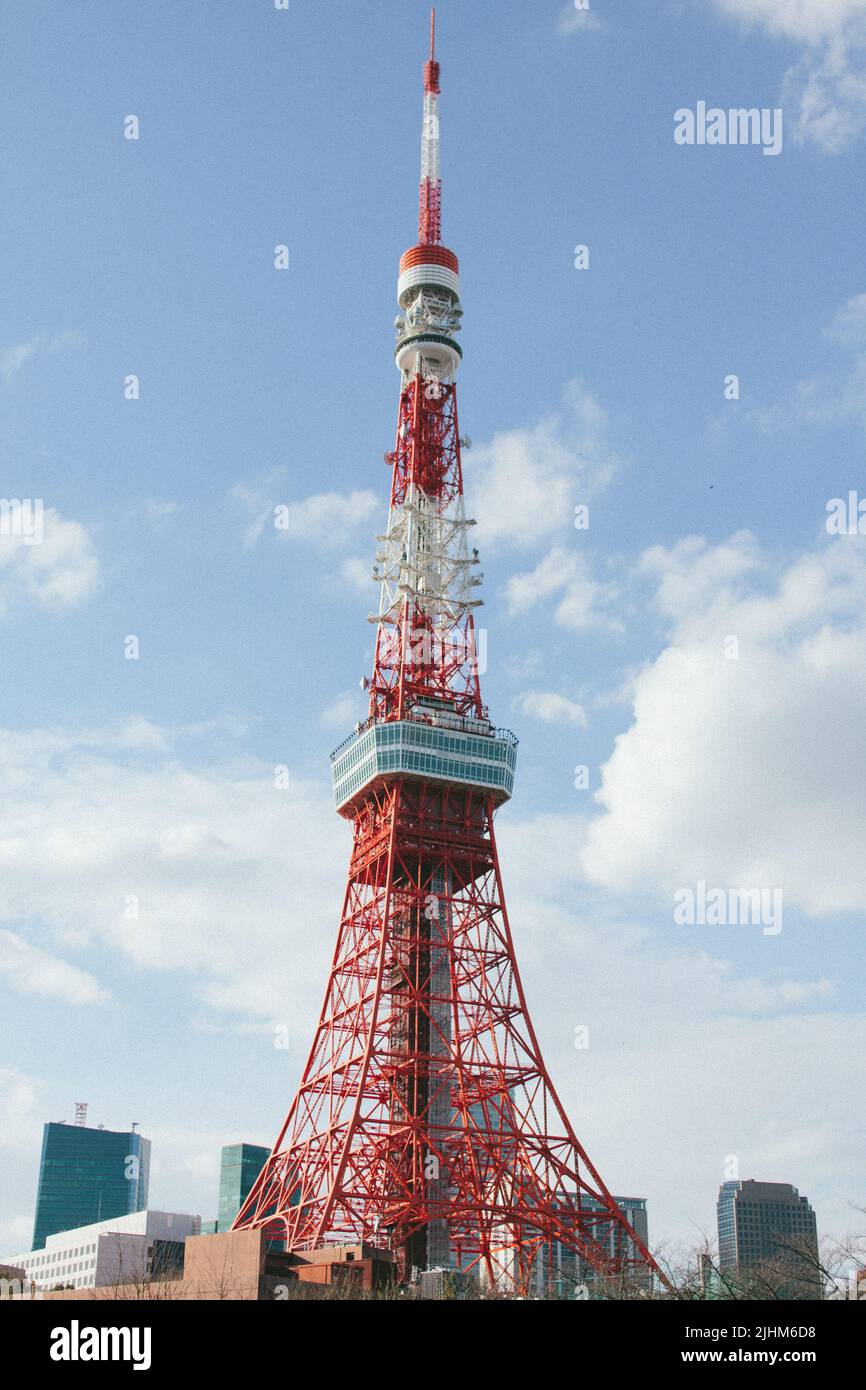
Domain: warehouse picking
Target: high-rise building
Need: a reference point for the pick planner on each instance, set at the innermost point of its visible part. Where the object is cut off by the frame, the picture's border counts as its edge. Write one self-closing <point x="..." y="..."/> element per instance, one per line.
<point x="240" y="1165"/>
<point x="88" y="1175"/>
<point x="560" y="1269"/>
<point x="767" y="1224"/>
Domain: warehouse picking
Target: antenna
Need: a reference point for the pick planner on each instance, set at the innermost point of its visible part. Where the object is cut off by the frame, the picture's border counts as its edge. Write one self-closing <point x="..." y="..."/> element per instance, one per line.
<point x="81" y="1113"/>
<point x="430" y="192"/>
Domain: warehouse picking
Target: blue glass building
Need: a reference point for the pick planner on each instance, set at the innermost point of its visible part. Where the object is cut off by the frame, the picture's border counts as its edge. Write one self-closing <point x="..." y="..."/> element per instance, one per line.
<point x="240" y="1165"/>
<point x="88" y="1175"/>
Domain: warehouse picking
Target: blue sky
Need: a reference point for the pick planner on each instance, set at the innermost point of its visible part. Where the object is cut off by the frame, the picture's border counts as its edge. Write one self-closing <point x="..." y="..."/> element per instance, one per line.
<point x="154" y="779"/>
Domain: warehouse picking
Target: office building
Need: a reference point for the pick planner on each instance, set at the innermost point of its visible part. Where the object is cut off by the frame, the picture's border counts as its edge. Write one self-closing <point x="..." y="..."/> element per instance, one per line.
<point x="240" y="1165"/>
<point x="121" y="1250"/>
<point x="767" y="1224"/>
<point x="559" y="1271"/>
<point x="88" y="1175"/>
<point x="567" y="1270"/>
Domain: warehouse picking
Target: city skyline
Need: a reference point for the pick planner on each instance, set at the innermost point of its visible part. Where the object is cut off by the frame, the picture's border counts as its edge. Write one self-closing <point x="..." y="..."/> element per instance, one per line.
<point x="748" y="1242"/>
<point x="177" y="889"/>
<point x="239" y="1164"/>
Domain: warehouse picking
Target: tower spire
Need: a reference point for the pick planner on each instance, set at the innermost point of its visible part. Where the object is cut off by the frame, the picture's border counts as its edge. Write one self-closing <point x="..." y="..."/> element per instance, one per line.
<point x="430" y="192"/>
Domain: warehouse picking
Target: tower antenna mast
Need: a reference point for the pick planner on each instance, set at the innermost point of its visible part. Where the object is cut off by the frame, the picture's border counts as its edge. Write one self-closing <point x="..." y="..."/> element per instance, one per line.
<point x="430" y="192"/>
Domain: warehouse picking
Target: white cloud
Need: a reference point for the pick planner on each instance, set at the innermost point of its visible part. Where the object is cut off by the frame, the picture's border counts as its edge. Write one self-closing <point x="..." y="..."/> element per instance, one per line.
<point x="524" y="485"/>
<point x="358" y="575"/>
<point x="524" y="665"/>
<point x="657" y="1007"/>
<point x="157" y="508"/>
<point x="550" y="707"/>
<point x="808" y="21"/>
<point x="343" y="712"/>
<point x="849" y="324"/>
<point x="16" y="1233"/>
<point x="31" y="971"/>
<point x="19" y="1109"/>
<point x="697" y="581"/>
<point x="329" y="517"/>
<point x="581" y="603"/>
<point x="745" y="772"/>
<point x="253" y="499"/>
<point x="821" y="400"/>
<point x="829" y="397"/>
<point x="13" y="358"/>
<point x="59" y="571"/>
<point x="326" y="519"/>
<point x="826" y="87"/>
<point x="21" y="1119"/>
<point x="575" y="20"/>
<point x="181" y="1156"/>
<point x="99" y="824"/>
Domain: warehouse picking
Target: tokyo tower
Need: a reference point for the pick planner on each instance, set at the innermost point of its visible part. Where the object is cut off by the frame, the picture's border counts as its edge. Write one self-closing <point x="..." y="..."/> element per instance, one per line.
<point x="425" y="1122"/>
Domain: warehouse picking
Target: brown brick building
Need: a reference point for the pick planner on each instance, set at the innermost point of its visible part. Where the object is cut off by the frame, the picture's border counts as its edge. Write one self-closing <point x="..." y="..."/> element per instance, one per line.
<point x="237" y="1265"/>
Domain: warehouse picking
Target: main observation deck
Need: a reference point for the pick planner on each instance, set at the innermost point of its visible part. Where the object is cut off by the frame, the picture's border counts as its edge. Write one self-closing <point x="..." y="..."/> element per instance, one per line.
<point x="430" y="743"/>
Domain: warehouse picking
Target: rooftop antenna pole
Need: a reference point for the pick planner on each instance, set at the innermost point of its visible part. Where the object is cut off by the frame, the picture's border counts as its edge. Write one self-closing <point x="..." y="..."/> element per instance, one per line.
<point x="430" y="193"/>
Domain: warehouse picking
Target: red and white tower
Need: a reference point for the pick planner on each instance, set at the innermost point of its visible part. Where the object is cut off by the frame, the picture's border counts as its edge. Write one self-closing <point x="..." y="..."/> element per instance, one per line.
<point x="425" y="1120"/>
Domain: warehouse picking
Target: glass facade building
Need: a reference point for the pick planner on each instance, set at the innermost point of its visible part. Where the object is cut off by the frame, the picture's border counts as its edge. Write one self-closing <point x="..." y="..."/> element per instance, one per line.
<point x="762" y="1222"/>
<point x="88" y="1175"/>
<point x="567" y="1269"/>
<point x="240" y="1165"/>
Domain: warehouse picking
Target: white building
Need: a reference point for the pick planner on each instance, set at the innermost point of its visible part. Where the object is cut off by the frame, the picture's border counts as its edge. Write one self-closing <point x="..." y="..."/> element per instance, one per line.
<point x="116" y="1251"/>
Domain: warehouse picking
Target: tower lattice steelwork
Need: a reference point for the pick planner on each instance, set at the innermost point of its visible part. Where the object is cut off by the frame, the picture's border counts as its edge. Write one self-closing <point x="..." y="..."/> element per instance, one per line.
<point x="425" y="1120"/>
